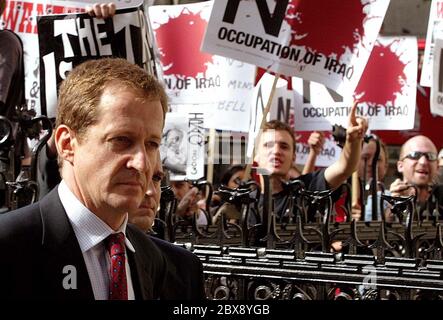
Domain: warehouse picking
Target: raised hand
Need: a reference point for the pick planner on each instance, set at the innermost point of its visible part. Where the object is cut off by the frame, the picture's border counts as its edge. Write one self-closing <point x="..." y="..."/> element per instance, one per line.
<point x="357" y="126"/>
<point x="101" y="10"/>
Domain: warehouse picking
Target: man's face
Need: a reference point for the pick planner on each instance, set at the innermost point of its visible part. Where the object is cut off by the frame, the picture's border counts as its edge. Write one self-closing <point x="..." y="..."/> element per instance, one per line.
<point x="275" y="152"/>
<point x="235" y="179"/>
<point x="180" y="188"/>
<point x="367" y="154"/>
<point x="422" y="171"/>
<point x="144" y="216"/>
<point x="113" y="162"/>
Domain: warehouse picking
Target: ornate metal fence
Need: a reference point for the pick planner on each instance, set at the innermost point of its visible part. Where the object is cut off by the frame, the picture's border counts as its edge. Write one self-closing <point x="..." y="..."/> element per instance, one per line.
<point x="313" y="259"/>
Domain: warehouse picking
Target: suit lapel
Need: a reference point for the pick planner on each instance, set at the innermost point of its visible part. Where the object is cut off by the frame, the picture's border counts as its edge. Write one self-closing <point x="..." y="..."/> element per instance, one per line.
<point x="141" y="277"/>
<point x="64" y="266"/>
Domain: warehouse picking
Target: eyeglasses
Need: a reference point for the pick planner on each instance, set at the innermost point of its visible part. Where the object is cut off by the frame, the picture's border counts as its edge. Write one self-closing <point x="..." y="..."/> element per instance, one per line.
<point x="416" y="155"/>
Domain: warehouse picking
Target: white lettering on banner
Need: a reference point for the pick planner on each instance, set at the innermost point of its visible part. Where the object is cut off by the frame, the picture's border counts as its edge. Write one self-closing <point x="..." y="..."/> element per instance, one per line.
<point x="84" y="33"/>
<point x="122" y="24"/>
<point x="82" y="28"/>
<point x="64" y="28"/>
<point x="102" y="37"/>
<point x="50" y="78"/>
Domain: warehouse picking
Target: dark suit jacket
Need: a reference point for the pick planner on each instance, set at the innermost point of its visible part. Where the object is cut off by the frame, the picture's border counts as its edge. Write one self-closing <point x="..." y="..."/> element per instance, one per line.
<point x="184" y="276"/>
<point x="38" y="246"/>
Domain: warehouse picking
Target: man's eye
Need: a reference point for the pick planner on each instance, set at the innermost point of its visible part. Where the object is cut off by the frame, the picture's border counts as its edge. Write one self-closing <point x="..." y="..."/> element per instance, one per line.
<point x="121" y="140"/>
<point x="152" y="145"/>
<point x="157" y="178"/>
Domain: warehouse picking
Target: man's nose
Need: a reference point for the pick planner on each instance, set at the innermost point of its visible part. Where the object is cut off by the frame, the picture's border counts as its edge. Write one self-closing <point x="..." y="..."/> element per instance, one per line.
<point x="276" y="148"/>
<point x="423" y="159"/>
<point x="152" y="191"/>
<point x="140" y="160"/>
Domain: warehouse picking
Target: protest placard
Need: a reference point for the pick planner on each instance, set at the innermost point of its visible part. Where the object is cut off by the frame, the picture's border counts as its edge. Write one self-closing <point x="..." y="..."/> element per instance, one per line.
<point x="437" y="79"/>
<point x="324" y="41"/>
<point x="65" y="41"/>
<point x="386" y="92"/>
<point x="435" y="30"/>
<point x="195" y="77"/>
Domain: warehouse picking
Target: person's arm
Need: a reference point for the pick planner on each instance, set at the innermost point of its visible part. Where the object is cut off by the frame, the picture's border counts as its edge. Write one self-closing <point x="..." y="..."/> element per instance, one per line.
<point x="338" y="172"/>
<point x="316" y="141"/>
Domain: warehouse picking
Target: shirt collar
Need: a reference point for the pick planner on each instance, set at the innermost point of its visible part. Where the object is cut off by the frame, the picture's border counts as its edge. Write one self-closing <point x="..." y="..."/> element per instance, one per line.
<point x="89" y="229"/>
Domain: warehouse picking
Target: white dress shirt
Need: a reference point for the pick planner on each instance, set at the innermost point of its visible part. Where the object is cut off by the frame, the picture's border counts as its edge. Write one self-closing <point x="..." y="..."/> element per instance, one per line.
<point x="90" y="231"/>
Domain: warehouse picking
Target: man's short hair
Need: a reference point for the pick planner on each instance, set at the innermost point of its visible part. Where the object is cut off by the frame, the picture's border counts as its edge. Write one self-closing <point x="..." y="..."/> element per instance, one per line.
<point x="278" y="125"/>
<point x="81" y="91"/>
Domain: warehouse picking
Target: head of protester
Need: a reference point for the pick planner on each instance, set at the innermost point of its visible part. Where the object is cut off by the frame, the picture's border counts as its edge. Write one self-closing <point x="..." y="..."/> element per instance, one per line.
<point x="365" y="166"/>
<point x="276" y="153"/>
<point x="418" y="167"/>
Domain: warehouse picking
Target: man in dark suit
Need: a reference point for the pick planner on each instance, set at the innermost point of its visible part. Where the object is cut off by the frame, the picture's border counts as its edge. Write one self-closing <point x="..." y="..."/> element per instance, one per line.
<point x="184" y="268"/>
<point x="75" y="243"/>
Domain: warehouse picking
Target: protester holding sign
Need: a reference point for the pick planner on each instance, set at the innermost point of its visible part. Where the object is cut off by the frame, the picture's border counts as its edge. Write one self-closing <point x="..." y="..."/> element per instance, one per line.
<point x="276" y="153"/>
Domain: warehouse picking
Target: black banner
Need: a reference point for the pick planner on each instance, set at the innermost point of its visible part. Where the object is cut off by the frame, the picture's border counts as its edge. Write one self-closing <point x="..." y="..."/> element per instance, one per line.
<point x="67" y="40"/>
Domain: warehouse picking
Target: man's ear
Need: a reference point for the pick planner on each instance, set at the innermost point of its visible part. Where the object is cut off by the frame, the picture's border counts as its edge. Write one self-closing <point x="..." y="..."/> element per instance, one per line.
<point x="400" y="166"/>
<point x="65" y="142"/>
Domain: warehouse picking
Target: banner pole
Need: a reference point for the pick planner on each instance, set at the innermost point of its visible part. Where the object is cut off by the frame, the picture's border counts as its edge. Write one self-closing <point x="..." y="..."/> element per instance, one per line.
<point x="248" y="168"/>
<point x="211" y="156"/>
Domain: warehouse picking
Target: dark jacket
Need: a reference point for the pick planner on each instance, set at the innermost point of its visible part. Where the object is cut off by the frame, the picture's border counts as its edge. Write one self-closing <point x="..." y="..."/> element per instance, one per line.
<point x="38" y="248"/>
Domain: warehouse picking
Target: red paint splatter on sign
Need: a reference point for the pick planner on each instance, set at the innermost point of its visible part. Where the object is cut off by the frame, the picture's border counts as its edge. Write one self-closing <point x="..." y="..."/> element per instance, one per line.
<point x="384" y="77"/>
<point x="179" y="41"/>
<point x="329" y="28"/>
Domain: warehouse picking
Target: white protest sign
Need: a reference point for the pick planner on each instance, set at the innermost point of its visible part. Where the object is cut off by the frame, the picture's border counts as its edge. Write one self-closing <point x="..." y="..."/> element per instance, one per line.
<point x="174" y="146"/>
<point x="324" y="41"/>
<point x="195" y="77"/>
<point x="196" y="146"/>
<point x="435" y="30"/>
<point x="386" y="91"/>
<point x="182" y="148"/>
<point x="437" y="82"/>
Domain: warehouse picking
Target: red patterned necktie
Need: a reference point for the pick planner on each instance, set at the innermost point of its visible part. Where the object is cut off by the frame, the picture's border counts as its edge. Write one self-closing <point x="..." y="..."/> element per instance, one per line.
<point x="118" y="285"/>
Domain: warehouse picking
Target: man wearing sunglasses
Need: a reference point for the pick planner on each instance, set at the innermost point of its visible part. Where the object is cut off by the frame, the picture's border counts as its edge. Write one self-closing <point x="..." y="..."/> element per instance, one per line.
<point x="418" y="166"/>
